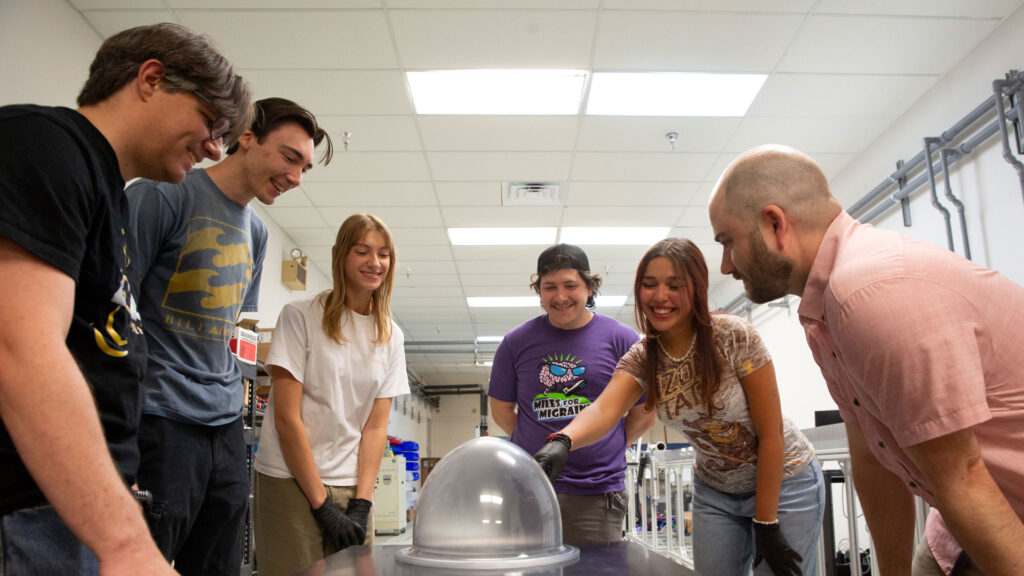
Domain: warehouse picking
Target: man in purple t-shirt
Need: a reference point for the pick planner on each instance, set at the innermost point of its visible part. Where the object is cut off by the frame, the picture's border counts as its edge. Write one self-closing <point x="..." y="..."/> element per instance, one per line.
<point x="553" y="366"/>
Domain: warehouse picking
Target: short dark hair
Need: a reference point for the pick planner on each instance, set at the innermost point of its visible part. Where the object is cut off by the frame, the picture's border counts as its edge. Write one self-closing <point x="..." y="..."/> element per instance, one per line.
<point x="270" y="113"/>
<point x="191" y="63"/>
<point x="567" y="257"/>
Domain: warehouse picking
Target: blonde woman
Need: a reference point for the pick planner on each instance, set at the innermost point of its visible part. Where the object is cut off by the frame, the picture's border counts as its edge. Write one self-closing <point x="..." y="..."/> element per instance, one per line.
<point x="336" y="362"/>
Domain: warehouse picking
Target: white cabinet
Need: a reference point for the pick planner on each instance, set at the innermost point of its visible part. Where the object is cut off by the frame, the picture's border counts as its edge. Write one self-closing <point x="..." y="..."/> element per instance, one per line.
<point x="389" y="496"/>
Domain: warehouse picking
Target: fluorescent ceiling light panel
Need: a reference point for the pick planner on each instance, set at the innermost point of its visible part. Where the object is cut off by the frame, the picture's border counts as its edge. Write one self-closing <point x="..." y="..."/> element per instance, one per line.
<point x="613" y="235"/>
<point x="483" y="339"/>
<point x="547" y="92"/>
<point x="508" y="236"/>
<point x="672" y="94"/>
<point x="502" y="301"/>
<point x="610" y="300"/>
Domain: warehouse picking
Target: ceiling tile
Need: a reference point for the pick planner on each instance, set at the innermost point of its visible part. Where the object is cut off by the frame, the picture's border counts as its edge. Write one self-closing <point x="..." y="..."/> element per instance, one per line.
<point x="839" y="95"/>
<point x="301" y="217"/>
<point x="328" y="39"/>
<point x="313" y="236"/>
<point x="272" y="4"/>
<point x="110" y="22"/>
<point x="393" y="216"/>
<point x="810" y="135"/>
<point x="293" y="198"/>
<point x="413" y="253"/>
<point x="474" y="217"/>
<point x="650" y="134"/>
<point x="117" y="4"/>
<point x="370" y="194"/>
<point x="369" y="166"/>
<point x="338" y="92"/>
<point x="794" y="6"/>
<point x="624" y="215"/>
<point x="511" y="133"/>
<point x="692" y="41"/>
<point x="516" y="4"/>
<point x="515" y="166"/>
<point x="419" y="235"/>
<point x="469" y="193"/>
<point x="631" y="193"/>
<point x="372" y="133"/>
<point x="882" y="45"/>
<point x="522" y="255"/>
<point x="427" y="267"/>
<point x="956" y="8"/>
<point x="499" y="278"/>
<point x="404" y="280"/>
<point x="547" y="39"/>
<point x="639" y="167"/>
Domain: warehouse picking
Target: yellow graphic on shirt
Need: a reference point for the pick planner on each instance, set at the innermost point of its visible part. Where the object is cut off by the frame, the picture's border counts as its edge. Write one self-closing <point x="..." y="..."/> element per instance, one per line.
<point x="205" y="294"/>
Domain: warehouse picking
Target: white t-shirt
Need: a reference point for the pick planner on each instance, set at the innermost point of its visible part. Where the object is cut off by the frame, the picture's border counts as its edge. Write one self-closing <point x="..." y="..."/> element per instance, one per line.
<point x="339" y="384"/>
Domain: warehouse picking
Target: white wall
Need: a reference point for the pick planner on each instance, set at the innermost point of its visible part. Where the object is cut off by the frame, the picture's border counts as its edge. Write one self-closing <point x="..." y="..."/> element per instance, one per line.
<point x="46" y="47"/>
<point x="456" y="422"/>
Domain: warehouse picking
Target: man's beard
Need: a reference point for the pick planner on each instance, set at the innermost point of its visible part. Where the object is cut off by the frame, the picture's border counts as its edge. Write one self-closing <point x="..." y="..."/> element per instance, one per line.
<point x="768" y="276"/>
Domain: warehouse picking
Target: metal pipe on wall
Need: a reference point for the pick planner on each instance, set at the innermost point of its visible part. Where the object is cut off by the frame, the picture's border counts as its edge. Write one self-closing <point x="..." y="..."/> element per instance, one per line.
<point x="928" y="141"/>
<point x="943" y="159"/>
<point x="997" y="89"/>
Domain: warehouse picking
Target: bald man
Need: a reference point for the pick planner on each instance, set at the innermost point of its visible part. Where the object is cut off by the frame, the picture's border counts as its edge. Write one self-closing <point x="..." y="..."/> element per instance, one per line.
<point x="922" y="350"/>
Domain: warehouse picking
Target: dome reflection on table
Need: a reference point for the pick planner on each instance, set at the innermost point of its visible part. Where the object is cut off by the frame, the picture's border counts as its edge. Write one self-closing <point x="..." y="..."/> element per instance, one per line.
<point x="487" y="504"/>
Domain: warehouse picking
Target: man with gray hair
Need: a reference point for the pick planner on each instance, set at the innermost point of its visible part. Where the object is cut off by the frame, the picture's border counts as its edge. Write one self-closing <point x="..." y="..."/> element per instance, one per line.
<point x="921" y="349"/>
<point x="158" y="100"/>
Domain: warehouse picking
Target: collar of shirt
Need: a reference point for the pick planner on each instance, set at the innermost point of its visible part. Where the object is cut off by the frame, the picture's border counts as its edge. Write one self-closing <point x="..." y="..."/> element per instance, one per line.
<point x="812" y="301"/>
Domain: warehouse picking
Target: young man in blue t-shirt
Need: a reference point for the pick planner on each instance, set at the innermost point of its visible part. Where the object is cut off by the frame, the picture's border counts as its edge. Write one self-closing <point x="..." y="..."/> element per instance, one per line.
<point x="199" y="251"/>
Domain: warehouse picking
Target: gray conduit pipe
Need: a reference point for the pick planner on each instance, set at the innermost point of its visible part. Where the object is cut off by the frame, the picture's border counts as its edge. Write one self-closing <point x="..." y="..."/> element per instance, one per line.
<point x="946" y="137"/>
<point x="928" y="141"/>
<point x="997" y="89"/>
<point x="943" y="159"/>
<point x="952" y="156"/>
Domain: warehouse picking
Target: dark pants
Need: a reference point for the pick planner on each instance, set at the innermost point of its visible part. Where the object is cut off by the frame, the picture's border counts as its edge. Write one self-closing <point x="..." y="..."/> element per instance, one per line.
<point x="200" y="487"/>
<point x="590" y="520"/>
<point x="36" y="542"/>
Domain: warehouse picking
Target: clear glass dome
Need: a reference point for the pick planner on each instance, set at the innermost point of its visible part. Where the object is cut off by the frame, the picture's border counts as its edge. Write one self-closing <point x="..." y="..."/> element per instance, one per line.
<point x="487" y="504"/>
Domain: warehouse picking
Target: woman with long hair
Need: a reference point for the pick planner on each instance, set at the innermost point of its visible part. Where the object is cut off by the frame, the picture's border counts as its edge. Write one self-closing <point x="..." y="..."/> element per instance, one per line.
<point x="758" y="489"/>
<point x="336" y="360"/>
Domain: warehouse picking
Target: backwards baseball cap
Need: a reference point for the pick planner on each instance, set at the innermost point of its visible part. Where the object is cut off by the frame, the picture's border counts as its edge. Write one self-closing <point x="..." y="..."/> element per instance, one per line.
<point x="562" y="256"/>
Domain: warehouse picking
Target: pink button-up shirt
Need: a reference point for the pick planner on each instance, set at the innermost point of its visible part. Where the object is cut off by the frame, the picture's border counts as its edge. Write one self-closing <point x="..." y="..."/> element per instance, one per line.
<point x="914" y="343"/>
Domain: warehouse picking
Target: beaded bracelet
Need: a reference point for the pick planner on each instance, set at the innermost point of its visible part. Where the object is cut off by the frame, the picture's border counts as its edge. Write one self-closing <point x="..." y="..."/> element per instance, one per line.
<point x="763" y="523"/>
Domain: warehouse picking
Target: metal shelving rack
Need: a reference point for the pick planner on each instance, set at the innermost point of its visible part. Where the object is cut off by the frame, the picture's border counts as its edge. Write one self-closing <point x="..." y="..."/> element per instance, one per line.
<point x="249" y="423"/>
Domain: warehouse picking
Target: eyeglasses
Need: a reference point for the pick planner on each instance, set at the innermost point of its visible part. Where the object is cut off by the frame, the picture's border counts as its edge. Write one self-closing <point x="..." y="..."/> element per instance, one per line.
<point x="220" y="127"/>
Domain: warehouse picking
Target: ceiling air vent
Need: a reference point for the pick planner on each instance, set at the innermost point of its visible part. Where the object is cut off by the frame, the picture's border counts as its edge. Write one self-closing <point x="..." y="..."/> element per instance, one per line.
<point x="533" y="194"/>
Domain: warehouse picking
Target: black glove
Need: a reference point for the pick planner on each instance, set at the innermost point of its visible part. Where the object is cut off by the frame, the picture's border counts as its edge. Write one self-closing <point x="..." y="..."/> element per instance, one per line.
<point x="771" y="546"/>
<point x="359" y="511"/>
<point x="552" y="456"/>
<point x="340" y="530"/>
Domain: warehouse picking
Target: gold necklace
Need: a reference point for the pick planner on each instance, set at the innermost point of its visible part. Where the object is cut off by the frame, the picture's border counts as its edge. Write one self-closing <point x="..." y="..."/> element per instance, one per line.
<point x="688" y="350"/>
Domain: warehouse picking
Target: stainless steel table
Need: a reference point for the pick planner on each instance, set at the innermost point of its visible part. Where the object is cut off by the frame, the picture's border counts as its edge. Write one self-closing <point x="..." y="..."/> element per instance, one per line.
<point x="613" y="560"/>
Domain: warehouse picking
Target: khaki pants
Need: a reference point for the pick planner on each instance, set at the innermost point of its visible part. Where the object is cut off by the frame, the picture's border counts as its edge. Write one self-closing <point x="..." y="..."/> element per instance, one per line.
<point x="926" y="565"/>
<point x="288" y="538"/>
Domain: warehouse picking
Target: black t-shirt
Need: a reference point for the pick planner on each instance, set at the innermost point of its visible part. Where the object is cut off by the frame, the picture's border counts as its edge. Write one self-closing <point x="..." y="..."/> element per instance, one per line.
<point x="62" y="199"/>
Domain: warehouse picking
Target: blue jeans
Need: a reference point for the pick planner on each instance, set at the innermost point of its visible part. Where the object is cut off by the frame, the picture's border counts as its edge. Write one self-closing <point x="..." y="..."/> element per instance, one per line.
<point x="200" y="485"/>
<point x="723" y="530"/>
<point x="35" y="542"/>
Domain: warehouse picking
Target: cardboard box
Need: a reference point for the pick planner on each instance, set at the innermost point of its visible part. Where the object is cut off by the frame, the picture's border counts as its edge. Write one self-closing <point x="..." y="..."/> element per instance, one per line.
<point x="263" y="338"/>
<point x="243" y="344"/>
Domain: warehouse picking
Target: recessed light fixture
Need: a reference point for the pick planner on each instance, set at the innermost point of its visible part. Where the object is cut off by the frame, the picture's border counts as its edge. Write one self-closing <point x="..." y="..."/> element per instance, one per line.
<point x="612" y="235"/>
<point x="502" y="236"/>
<point x="483" y="339"/>
<point x="672" y="93"/>
<point x="515" y="92"/>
